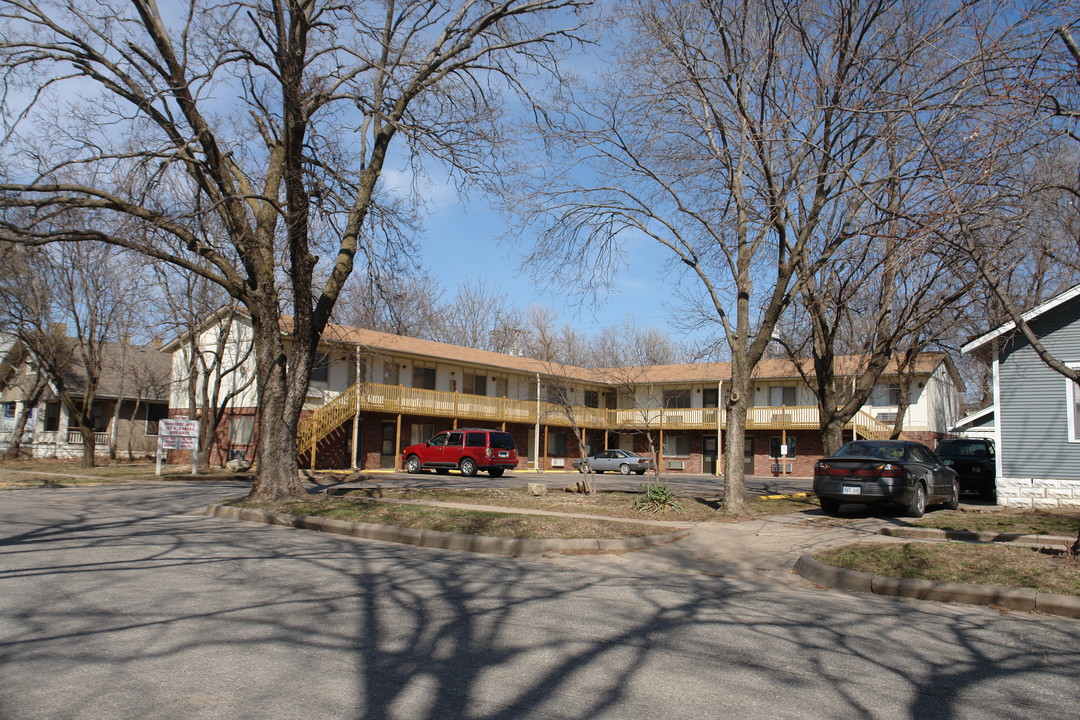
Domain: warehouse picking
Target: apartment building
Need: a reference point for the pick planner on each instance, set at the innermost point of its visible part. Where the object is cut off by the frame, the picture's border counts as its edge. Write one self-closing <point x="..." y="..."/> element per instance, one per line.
<point x="371" y="394"/>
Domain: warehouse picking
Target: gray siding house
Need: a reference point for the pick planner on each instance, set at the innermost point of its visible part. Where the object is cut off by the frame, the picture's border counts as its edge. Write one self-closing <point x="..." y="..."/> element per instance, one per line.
<point x="1037" y="410"/>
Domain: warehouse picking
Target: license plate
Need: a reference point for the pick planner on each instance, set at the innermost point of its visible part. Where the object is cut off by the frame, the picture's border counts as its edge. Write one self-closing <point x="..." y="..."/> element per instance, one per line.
<point x="852" y="490"/>
<point x="504" y="453"/>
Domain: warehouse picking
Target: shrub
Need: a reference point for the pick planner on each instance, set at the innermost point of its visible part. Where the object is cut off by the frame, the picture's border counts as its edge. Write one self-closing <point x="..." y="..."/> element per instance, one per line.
<point x="656" y="497"/>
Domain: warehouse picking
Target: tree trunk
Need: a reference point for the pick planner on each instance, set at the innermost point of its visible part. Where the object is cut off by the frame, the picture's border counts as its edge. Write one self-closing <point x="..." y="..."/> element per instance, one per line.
<point x="734" y="475"/>
<point x="277" y="476"/>
<point x="15" y="446"/>
<point x="88" y="446"/>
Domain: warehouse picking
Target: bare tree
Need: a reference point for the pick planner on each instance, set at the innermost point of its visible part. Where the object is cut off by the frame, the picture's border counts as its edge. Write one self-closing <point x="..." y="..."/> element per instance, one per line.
<point x="76" y="288"/>
<point x="276" y="120"/>
<point x="735" y="135"/>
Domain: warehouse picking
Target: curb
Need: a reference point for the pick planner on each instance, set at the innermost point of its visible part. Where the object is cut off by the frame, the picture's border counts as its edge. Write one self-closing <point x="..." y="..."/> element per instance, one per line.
<point x="1010" y="598"/>
<point x="440" y="540"/>
<point x="971" y="536"/>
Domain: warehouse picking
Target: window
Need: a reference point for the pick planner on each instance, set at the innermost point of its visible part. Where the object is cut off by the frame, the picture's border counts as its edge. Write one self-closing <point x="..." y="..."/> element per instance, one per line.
<point x="611" y="400"/>
<point x="390" y="373"/>
<point x="556" y="444"/>
<point x="885" y="395"/>
<point x="9" y="410"/>
<point x="475" y="384"/>
<point x="52" y="417"/>
<point x="676" y="446"/>
<point x="677" y="398"/>
<point x="710" y="397"/>
<point x="592" y="399"/>
<point x="784" y="395"/>
<point x="1073" y="398"/>
<point x="241" y="429"/>
<point x="320" y="368"/>
<point x="423" y="377"/>
<point x="155" y="414"/>
<point x="421" y="433"/>
<point x="776" y="447"/>
<point x="475" y="439"/>
<point x="453" y="439"/>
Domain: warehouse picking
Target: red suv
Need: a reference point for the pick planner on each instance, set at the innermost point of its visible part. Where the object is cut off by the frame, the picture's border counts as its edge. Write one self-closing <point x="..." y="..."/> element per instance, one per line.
<point x="465" y="449"/>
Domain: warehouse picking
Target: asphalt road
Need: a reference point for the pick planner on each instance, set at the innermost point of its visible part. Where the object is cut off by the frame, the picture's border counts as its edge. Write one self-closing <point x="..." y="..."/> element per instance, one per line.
<point x="125" y="602"/>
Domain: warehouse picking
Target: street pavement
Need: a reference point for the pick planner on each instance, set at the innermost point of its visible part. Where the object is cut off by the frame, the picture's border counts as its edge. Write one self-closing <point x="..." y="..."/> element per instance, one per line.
<point x="127" y="602"/>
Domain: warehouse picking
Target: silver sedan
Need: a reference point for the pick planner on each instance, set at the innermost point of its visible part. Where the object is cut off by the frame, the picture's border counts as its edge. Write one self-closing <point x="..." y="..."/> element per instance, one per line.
<point x="622" y="461"/>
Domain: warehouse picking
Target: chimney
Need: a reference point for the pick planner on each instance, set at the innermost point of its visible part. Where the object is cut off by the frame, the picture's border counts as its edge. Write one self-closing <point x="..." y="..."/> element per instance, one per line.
<point x="59" y="329"/>
<point x="156" y="343"/>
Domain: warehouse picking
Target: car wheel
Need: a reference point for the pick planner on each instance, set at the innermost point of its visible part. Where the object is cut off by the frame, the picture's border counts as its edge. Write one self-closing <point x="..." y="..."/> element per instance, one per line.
<point x="954" y="499"/>
<point x="468" y="467"/>
<point x="917" y="506"/>
<point x="829" y="506"/>
<point x="989" y="494"/>
<point x="412" y="464"/>
<point x="640" y="472"/>
<point x="496" y="472"/>
<point x="624" y="469"/>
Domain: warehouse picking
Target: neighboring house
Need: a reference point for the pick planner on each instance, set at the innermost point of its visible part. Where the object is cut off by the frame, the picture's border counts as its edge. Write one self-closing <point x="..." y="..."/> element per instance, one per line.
<point x="979" y="424"/>
<point x="1036" y="410"/>
<point x="373" y="393"/>
<point x="131" y="397"/>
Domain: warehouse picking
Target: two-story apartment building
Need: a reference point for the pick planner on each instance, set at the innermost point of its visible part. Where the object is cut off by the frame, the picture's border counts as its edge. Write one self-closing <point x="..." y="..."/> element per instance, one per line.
<point x="373" y="393"/>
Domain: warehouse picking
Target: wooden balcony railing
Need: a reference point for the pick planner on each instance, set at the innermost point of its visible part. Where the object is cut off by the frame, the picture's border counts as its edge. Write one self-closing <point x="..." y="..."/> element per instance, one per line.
<point x="394" y="399"/>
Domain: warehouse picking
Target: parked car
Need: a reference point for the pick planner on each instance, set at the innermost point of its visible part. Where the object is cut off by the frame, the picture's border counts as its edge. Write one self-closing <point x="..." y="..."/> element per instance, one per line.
<point x="898" y="472"/>
<point x="465" y="449"/>
<point x="973" y="461"/>
<point x="622" y="461"/>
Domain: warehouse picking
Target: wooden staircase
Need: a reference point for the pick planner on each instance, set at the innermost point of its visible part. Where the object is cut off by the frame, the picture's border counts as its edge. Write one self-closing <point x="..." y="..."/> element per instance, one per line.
<point x="325" y="420"/>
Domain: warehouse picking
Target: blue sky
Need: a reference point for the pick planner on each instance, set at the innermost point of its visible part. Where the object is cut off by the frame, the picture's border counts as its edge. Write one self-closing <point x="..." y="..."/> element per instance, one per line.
<point x="465" y="240"/>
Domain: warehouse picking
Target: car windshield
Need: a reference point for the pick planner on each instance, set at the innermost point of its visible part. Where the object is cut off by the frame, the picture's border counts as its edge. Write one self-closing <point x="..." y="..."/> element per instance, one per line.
<point x="502" y="441"/>
<point x="885" y="451"/>
<point x="962" y="447"/>
<point x="627" y="453"/>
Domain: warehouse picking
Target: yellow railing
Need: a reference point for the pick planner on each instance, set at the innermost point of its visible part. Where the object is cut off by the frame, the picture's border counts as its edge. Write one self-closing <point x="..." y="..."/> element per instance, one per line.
<point x="868" y="426"/>
<point x="325" y="420"/>
<point x="463" y="406"/>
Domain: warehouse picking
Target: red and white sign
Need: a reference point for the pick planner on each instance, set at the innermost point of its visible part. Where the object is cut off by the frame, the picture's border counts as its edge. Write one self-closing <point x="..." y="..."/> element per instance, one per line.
<point x="179" y="428"/>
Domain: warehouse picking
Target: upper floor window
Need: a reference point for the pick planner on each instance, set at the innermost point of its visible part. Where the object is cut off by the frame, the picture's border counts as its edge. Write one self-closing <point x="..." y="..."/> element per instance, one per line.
<point x="9" y="410"/>
<point x="677" y="398"/>
<point x="592" y="399"/>
<point x="784" y="395"/>
<point x="423" y="377"/>
<point x="885" y="395"/>
<point x="710" y="397"/>
<point x="320" y="368"/>
<point x="391" y="373"/>
<point x="475" y="384"/>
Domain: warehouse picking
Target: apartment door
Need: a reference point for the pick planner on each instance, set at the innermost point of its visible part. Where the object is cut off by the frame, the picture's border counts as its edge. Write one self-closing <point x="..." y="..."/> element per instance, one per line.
<point x="387" y="451"/>
<point x="748" y="456"/>
<point x="708" y="455"/>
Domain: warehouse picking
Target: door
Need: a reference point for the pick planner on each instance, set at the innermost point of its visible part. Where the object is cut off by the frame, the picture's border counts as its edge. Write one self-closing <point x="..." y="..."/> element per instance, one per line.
<point x="387" y="451"/>
<point x="748" y="456"/>
<point x="708" y="455"/>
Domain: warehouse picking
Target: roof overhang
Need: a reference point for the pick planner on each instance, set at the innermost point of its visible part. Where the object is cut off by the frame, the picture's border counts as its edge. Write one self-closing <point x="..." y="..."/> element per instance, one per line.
<point x="1030" y="315"/>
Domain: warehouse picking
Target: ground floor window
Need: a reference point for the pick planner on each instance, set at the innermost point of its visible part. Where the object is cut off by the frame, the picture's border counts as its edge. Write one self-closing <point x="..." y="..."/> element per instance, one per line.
<point x="421" y="433"/>
<point x="9" y="410"/>
<point x="676" y="446"/>
<point x="557" y="444"/>
<point x="241" y="429"/>
<point x="52" y="417"/>
<point x="776" y="447"/>
<point x="154" y="415"/>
